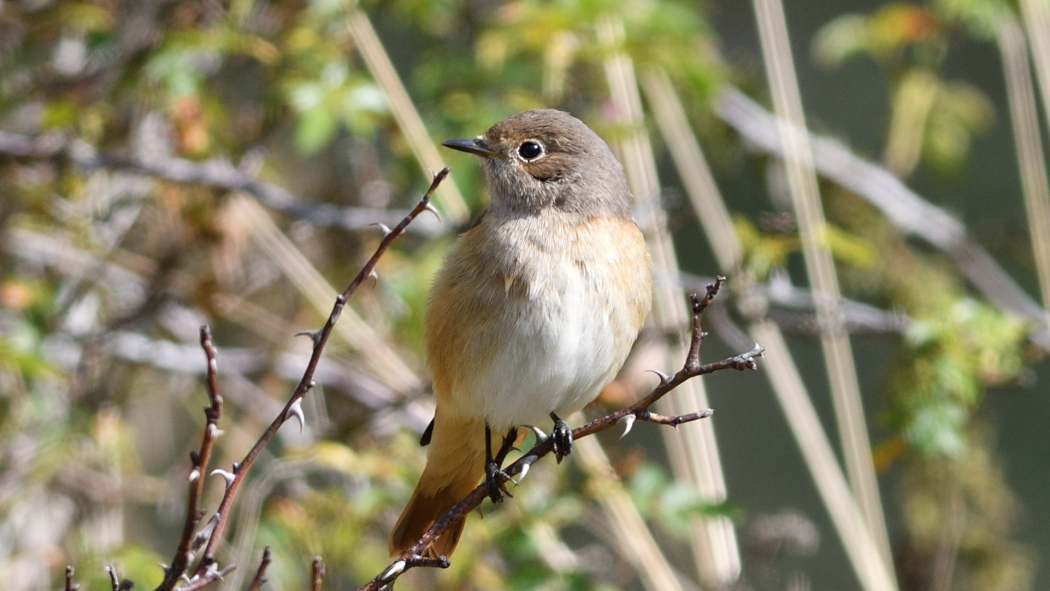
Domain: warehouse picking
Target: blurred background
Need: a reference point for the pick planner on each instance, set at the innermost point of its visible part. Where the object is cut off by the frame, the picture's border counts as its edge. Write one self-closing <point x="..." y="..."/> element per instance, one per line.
<point x="870" y="175"/>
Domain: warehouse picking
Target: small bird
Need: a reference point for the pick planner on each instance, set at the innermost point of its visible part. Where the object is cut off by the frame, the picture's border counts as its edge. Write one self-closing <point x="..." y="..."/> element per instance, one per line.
<point x="535" y="309"/>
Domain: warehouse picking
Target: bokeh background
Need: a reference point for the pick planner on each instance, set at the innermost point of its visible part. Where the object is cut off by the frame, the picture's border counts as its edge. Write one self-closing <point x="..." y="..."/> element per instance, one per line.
<point x="165" y="165"/>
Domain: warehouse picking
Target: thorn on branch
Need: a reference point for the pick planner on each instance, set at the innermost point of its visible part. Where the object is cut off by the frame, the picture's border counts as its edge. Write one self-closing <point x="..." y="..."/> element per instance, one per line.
<point x="540" y="435"/>
<point x="227" y="476"/>
<point x="664" y="378"/>
<point x="296" y="410"/>
<point x="313" y="335"/>
<point x="521" y="474"/>
<point x="382" y="227"/>
<point x="628" y="422"/>
<point x="393" y="571"/>
<point x="430" y="207"/>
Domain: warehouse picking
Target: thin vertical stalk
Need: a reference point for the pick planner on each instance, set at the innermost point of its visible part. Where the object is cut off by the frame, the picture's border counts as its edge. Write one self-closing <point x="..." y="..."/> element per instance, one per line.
<point x="404" y="111"/>
<point x="782" y="372"/>
<point x="1036" y="17"/>
<point x="1024" y="116"/>
<point x="820" y="268"/>
<point x="693" y="452"/>
<point x="629" y="529"/>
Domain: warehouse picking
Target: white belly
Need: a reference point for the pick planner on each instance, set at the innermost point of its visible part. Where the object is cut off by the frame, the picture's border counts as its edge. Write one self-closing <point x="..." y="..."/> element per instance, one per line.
<point x="564" y="354"/>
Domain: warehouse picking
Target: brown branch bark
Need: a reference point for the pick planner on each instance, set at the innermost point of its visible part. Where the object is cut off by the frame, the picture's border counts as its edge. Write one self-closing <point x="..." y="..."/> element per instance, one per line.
<point x="260" y="573"/>
<point x="70" y="585"/>
<point x="412" y="558"/>
<point x="188" y="543"/>
<point x="207" y="571"/>
<point x="292" y="407"/>
<point x="317" y="570"/>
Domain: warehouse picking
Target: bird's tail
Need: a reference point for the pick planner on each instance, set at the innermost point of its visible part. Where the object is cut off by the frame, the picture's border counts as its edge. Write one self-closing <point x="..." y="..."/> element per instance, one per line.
<point x="455" y="465"/>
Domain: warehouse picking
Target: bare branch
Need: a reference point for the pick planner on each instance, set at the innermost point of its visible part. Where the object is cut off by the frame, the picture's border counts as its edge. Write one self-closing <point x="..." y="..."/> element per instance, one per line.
<point x="317" y="570"/>
<point x="412" y="557"/>
<point x="199" y="460"/>
<point x="207" y="563"/>
<point x="70" y="585"/>
<point x="114" y="582"/>
<point x="260" y="573"/>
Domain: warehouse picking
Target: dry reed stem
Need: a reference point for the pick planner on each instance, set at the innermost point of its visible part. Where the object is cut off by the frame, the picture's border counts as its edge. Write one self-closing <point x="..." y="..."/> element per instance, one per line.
<point x="404" y="111"/>
<point x="633" y="538"/>
<point x="820" y="268"/>
<point x="782" y="373"/>
<point x="693" y="453"/>
<point x="390" y="368"/>
<point x="1024" y="116"/>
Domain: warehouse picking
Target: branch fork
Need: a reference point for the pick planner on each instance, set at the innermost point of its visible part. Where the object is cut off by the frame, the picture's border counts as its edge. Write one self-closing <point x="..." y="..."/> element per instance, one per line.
<point x="190" y="542"/>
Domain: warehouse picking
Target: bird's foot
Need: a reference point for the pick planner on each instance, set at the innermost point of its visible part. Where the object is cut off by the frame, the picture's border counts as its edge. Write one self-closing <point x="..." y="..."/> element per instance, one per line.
<point x="495" y="478"/>
<point x="561" y="437"/>
<point x="496" y="481"/>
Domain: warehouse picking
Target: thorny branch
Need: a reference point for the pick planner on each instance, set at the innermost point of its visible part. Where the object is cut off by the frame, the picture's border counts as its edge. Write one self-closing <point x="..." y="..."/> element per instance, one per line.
<point x="188" y="543"/>
<point x="207" y="571"/>
<point x="692" y="368"/>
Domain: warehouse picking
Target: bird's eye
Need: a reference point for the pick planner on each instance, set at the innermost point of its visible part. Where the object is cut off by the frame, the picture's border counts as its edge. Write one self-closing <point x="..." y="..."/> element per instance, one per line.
<point x="530" y="150"/>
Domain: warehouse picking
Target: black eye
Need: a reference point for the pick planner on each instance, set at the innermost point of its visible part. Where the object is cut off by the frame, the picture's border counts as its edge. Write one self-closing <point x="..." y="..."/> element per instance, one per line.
<point x="530" y="150"/>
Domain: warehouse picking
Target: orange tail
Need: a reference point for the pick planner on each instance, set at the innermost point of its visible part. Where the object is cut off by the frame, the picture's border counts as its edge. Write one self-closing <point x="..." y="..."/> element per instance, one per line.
<point x="455" y="465"/>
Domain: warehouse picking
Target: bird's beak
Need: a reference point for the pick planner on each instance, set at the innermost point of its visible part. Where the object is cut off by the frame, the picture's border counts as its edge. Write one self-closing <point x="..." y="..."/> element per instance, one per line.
<point x="478" y="147"/>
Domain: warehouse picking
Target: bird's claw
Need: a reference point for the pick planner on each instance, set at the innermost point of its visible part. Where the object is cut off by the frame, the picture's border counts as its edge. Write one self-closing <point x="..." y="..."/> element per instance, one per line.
<point x="561" y="438"/>
<point x="496" y="481"/>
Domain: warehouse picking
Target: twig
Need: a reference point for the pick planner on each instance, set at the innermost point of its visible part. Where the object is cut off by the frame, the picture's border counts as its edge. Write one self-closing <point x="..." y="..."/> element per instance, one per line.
<point x="317" y="569"/>
<point x="293" y="407"/>
<point x="70" y="585"/>
<point x="839" y="361"/>
<point x="114" y="582"/>
<point x="781" y="370"/>
<point x="260" y="573"/>
<point x="188" y="543"/>
<point x="693" y="455"/>
<point x="692" y="368"/>
<point x="211" y="575"/>
<point x="1024" y="118"/>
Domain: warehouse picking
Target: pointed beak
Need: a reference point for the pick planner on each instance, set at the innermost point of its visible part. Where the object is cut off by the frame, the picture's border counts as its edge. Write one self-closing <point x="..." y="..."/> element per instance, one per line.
<point x="477" y="147"/>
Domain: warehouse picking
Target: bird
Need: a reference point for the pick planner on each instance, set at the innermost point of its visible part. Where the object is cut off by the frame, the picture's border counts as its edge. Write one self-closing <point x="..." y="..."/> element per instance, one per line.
<point x="535" y="308"/>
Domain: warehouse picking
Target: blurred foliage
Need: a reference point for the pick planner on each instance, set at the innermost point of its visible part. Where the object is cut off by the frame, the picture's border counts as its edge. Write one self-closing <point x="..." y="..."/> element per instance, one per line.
<point x="932" y="118"/>
<point x="106" y="274"/>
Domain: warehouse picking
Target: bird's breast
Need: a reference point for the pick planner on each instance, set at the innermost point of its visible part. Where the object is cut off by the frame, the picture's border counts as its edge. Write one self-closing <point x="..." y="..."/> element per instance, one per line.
<point x="535" y="315"/>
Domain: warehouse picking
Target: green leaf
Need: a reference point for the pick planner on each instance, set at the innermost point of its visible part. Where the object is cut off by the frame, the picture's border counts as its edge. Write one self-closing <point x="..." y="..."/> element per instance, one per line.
<point x="314" y="130"/>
